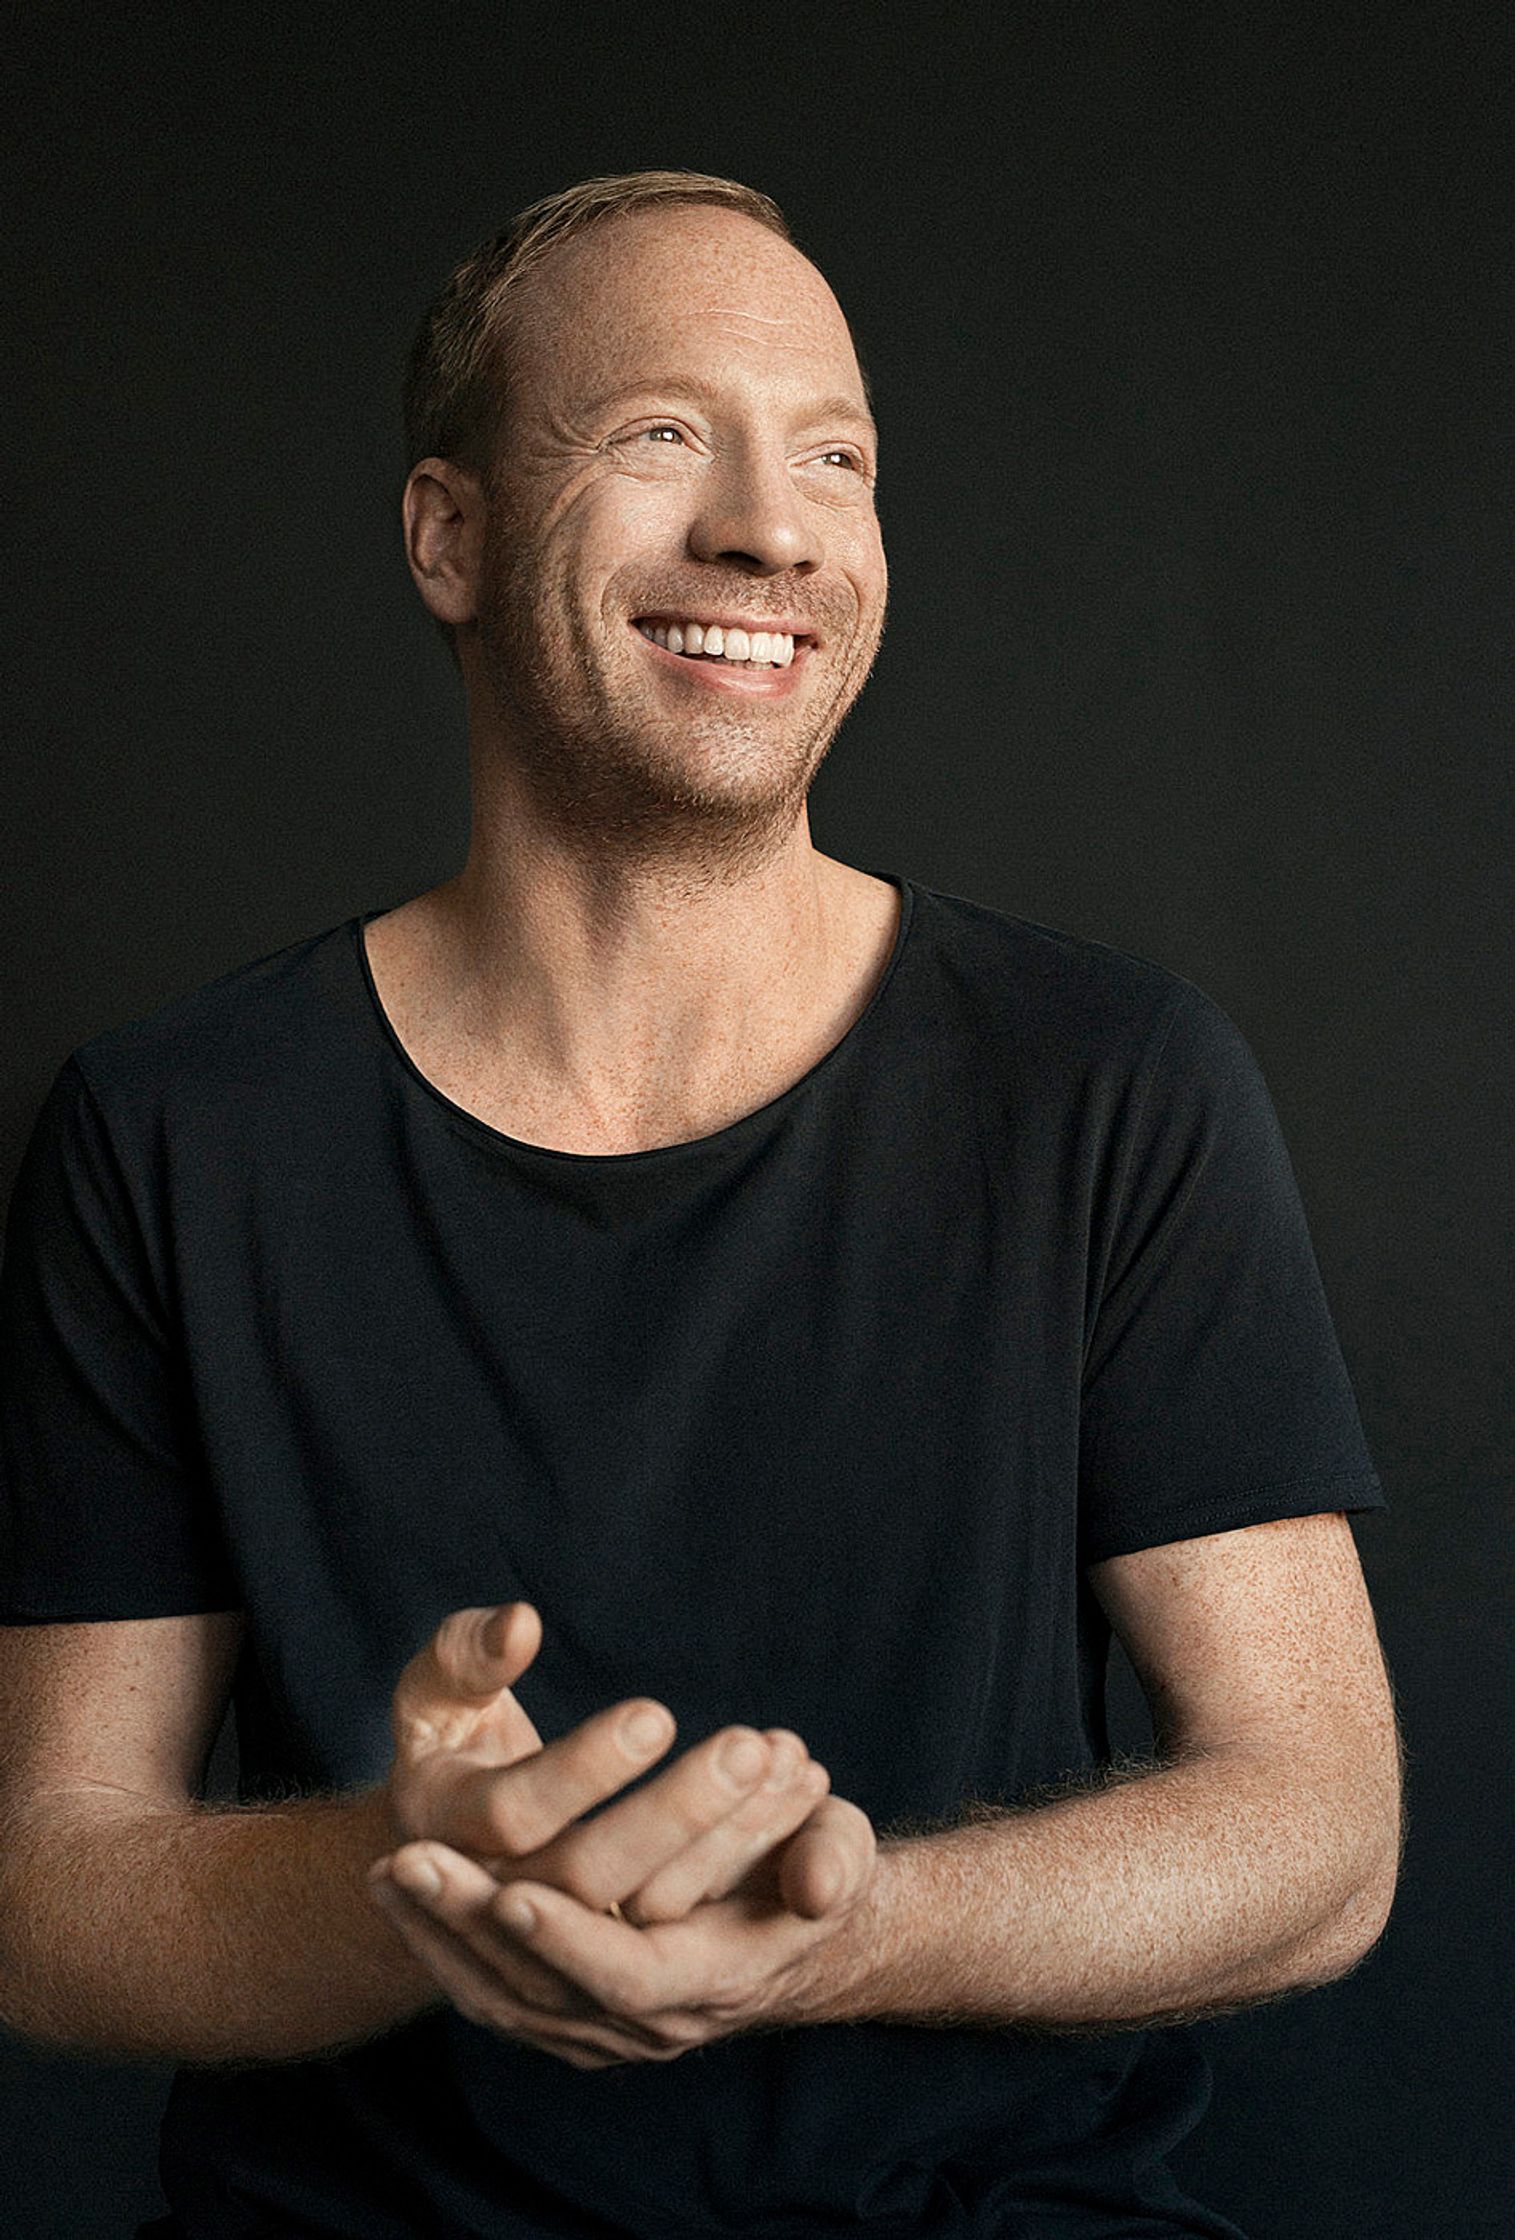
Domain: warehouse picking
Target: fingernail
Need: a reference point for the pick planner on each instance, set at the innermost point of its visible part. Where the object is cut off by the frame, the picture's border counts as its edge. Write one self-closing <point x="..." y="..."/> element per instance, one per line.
<point x="518" y="1915"/>
<point x="420" y="1876"/>
<point x="645" y="1729"/>
<point x="743" y="1757"/>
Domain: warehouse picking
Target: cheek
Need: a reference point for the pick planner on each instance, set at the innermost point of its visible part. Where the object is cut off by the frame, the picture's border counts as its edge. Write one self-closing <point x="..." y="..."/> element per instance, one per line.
<point x="872" y="545"/>
<point x="628" y="523"/>
<point x="614" y="578"/>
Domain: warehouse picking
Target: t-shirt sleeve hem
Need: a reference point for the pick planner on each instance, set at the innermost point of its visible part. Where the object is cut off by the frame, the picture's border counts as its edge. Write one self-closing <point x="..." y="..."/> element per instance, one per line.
<point x="115" y="1607"/>
<point x="1351" y="1490"/>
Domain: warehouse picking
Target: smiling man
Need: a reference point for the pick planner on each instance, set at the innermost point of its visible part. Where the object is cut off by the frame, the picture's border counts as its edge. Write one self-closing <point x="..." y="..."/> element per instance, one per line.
<point x="666" y="1269"/>
<point x="663" y="567"/>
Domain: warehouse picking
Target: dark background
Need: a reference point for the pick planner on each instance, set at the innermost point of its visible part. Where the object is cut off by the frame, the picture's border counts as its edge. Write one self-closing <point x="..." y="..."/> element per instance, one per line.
<point x="1188" y="328"/>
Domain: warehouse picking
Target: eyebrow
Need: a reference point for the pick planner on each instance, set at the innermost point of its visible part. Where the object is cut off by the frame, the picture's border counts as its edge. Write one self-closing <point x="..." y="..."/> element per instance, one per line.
<point x="674" y="385"/>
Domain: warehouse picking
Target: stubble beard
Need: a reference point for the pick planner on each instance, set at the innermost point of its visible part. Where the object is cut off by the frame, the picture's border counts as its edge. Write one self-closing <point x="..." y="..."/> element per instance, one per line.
<point x="602" y="763"/>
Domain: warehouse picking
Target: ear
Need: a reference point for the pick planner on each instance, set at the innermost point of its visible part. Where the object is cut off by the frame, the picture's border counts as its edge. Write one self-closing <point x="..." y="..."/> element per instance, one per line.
<point x="443" y="507"/>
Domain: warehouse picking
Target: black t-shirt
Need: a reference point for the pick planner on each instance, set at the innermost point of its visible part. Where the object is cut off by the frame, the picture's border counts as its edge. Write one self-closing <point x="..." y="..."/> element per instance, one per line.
<point x="812" y="1422"/>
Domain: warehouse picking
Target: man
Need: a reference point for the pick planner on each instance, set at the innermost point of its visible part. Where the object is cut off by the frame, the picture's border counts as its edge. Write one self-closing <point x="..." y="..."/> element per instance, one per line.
<point x="664" y="1268"/>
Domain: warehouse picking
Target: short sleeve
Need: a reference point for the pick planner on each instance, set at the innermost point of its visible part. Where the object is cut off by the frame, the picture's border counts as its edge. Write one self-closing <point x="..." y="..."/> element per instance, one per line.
<point x="1215" y="1394"/>
<point x="104" y="1507"/>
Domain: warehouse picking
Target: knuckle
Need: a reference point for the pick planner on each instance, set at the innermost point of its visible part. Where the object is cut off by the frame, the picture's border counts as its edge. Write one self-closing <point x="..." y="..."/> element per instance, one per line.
<point x="513" y="1833"/>
<point x="522" y="1814"/>
<point x="686" y="1801"/>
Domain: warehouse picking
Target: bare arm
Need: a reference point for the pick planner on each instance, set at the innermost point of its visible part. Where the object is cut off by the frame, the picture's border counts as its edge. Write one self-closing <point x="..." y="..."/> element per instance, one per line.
<point x="1261" y="1859"/>
<point x="135" y="1921"/>
<point x="138" y="1923"/>
<point x="144" y="1930"/>
<point x="1258" y="1858"/>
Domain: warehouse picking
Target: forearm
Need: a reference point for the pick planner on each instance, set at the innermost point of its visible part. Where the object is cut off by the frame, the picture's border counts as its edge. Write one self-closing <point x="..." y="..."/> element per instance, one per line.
<point x="220" y="1935"/>
<point x="1195" y="1889"/>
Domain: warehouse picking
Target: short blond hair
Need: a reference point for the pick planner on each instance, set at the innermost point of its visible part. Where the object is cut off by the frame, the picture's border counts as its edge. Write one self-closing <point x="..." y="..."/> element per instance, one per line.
<point x="458" y="377"/>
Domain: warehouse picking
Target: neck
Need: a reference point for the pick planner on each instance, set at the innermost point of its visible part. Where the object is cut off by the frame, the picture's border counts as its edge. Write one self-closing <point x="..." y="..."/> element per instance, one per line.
<point x="633" y="1000"/>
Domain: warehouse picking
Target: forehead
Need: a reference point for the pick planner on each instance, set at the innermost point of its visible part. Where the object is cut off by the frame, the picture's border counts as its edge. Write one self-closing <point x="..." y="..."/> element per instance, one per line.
<point x="691" y="289"/>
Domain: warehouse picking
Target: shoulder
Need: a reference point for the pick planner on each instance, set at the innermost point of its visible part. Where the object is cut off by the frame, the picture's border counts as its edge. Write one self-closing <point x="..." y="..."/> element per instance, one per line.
<point x="1074" y="1001"/>
<point x="214" y="1056"/>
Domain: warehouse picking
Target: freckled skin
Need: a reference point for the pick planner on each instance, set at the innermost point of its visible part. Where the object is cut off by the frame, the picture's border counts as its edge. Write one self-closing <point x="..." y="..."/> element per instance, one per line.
<point x="644" y="943"/>
<point x="594" y="519"/>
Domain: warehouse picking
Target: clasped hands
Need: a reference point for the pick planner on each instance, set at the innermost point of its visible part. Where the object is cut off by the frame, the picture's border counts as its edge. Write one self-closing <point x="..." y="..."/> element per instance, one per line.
<point x="730" y="1871"/>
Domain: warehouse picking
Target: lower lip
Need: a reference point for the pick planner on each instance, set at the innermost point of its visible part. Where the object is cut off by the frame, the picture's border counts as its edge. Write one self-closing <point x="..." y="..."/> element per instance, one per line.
<point x="726" y="676"/>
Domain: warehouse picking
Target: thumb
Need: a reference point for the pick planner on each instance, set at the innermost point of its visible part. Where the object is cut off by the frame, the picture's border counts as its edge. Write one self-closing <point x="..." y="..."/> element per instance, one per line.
<point x="478" y="1652"/>
<point x="829" y="1861"/>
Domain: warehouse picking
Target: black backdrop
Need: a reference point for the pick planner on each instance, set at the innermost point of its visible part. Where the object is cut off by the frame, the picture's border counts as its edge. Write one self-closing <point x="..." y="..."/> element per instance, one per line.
<point x="1188" y="329"/>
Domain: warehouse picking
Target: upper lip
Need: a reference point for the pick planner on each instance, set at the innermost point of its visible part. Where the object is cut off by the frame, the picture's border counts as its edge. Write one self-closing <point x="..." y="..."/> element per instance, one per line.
<point x="792" y="625"/>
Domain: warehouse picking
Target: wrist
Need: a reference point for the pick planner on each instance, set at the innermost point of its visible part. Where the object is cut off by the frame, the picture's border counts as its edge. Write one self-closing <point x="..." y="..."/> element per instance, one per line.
<point x="399" y="1971"/>
<point x="374" y="1816"/>
<point x="836" y="1977"/>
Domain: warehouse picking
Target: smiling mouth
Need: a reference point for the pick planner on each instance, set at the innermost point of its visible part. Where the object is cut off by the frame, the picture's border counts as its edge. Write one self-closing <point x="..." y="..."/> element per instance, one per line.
<point x="717" y="676"/>
<point x="778" y="650"/>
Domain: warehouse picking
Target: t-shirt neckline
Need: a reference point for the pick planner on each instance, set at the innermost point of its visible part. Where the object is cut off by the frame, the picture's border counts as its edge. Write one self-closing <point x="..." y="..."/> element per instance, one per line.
<point x="722" y="1137"/>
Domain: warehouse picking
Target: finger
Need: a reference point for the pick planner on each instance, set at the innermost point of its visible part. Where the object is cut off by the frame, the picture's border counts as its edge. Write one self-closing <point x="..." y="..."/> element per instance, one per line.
<point x="506" y="1814"/>
<point x="602" y="1859"/>
<point x="677" y="1978"/>
<point x="607" y="1960"/>
<point x="474" y="1655"/>
<point x="621" y="1848"/>
<point x="465" y="1906"/>
<point x="488" y="1956"/>
<point x="718" y="1861"/>
<point x="828" y="1863"/>
<point x="481" y="1995"/>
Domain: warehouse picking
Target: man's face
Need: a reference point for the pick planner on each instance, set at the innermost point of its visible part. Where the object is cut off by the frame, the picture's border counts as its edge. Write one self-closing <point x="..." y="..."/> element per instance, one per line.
<point x="688" y="439"/>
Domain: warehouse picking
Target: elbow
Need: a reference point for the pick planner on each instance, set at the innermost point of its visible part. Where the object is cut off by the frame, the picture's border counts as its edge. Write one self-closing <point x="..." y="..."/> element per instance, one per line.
<point x="1367" y="1919"/>
<point x="1358" y="1926"/>
<point x="1361" y="1922"/>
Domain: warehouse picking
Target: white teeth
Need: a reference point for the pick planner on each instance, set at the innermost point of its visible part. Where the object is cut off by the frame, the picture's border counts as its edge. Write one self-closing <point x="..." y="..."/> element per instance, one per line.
<point x="765" y="648"/>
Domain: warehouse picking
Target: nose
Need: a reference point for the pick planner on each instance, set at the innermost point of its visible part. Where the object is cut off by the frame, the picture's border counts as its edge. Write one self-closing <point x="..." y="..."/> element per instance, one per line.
<point x="750" y="512"/>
